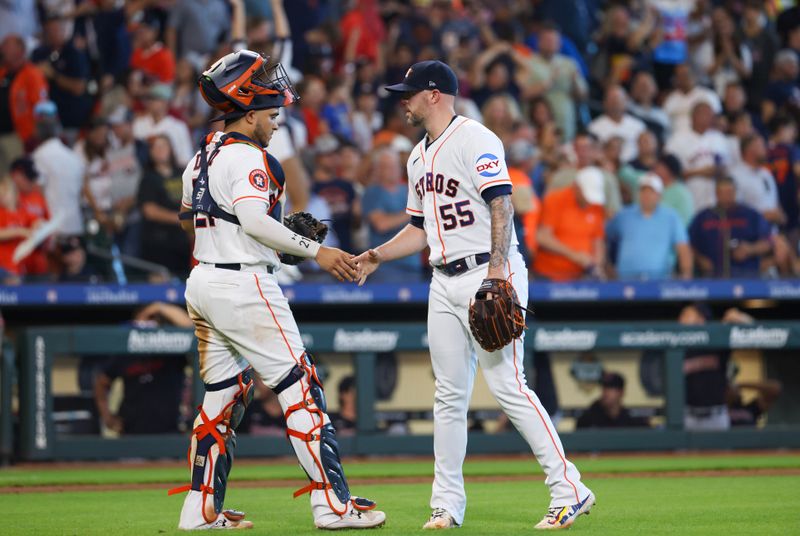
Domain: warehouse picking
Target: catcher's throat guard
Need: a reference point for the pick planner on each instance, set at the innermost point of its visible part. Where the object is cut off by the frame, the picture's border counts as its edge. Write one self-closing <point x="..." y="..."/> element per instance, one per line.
<point x="210" y="453"/>
<point x="313" y="438"/>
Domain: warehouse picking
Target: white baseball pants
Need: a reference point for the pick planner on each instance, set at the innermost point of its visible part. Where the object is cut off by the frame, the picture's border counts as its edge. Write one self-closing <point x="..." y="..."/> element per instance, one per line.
<point x="455" y="355"/>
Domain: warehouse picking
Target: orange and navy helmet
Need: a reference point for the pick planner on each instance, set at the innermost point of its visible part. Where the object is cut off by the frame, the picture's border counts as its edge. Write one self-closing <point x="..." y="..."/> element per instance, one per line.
<point x="242" y="81"/>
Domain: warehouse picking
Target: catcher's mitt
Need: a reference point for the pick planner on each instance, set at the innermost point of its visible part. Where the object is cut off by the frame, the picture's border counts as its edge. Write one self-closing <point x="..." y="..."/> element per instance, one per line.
<point x="306" y="225"/>
<point x="497" y="321"/>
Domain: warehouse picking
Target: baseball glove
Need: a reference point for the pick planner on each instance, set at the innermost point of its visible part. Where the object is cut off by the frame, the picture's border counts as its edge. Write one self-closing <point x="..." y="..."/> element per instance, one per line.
<point x="498" y="320"/>
<point x="306" y="225"/>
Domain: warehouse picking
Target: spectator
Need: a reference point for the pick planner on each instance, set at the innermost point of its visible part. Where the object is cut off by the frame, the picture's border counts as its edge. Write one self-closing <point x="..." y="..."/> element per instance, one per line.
<point x="763" y="45"/>
<point x="748" y="414"/>
<point x="586" y="155"/>
<point x="384" y="206"/>
<point x="68" y="71"/>
<point x="159" y="200"/>
<point x="313" y="94"/>
<point x="670" y="47"/>
<point x="729" y="239"/>
<point x="112" y="41"/>
<point x="344" y="420"/>
<point x="703" y="153"/>
<point x="367" y="120"/>
<point x="156" y="120"/>
<point x="784" y="162"/>
<point x="608" y="411"/>
<point x="620" y="43"/>
<point x="649" y="236"/>
<point x="616" y="123"/>
<point x="782" y="95"/>
<point x="755" y="185"/>
<point x="642" y="104"/>
<point x="15" y="226"/>
<point x="629" y="174"/>
<point x="558" y="79"/>
<point x="196" y="27"/>
<point x="97" y="189"/>
<point x="338" y="193"/>
<point x="22" y="86"/>
<point x="676" y="195"/>
<point x="740" y="126"/>
<point x="732" y="59"/>
<point x="154" y="60"/>
<point x="681" y="102"/>
<point x="31" y="200"/>
<point x="126" y="157"/>
<point x="338" y="109"/>
<point x="705" y="378"/>
<point x="187" y="103"/>
<point x="71" y="262"/>
<point x="500" y="112"/>
<point x="61" y="170"/>
<point x="152" y="384"/>
<point x="571" y="231"/>
<point x="522" y="160"/>
<point x="493" y="74"/>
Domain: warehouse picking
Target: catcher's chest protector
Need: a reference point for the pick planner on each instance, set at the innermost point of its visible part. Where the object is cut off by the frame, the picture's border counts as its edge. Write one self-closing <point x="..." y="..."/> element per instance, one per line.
<point x="204" y="203"/>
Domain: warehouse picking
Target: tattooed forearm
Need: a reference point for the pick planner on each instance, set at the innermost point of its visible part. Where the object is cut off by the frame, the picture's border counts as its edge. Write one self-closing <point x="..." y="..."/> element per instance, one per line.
<point x="502" y="215"/>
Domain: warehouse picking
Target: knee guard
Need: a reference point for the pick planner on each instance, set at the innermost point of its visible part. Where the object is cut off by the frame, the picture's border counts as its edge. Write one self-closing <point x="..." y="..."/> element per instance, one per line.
<point x="313" y="437"/>
<point x="214" y="440"/>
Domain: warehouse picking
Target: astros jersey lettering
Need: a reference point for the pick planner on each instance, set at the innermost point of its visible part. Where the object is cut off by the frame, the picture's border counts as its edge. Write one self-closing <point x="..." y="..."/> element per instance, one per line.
<point x="237" y="172"/>
<point x="446" y="180"/>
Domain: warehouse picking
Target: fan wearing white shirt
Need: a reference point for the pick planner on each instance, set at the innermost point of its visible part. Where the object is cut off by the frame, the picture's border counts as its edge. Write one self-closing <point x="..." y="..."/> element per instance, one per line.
<point x="158" y="121"/>
<point x="682" y="100"/>
<point x="615" y="123"/>
<point x="756" y="188"/>
<point x="703" y="152"/>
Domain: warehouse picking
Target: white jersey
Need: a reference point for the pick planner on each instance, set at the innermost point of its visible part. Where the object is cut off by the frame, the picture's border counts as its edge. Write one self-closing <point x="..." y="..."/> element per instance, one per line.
<point x="238" y="172"/>
<point x="446" y="180"/>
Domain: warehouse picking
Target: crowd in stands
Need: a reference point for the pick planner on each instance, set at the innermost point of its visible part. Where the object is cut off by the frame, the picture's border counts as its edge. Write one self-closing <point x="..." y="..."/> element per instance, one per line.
<point x="646" y="139"/>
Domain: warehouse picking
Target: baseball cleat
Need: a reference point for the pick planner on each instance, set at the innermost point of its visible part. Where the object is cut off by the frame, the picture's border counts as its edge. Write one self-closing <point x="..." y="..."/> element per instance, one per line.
<point x="440" y="519"/>
<point x="562" y="517"/>
<point x="229" y="520"/>
<point x="355" y="519"/>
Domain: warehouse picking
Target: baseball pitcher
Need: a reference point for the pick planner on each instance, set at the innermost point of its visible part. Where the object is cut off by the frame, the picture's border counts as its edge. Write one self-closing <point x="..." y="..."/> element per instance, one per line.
<point x="460" y="206"/>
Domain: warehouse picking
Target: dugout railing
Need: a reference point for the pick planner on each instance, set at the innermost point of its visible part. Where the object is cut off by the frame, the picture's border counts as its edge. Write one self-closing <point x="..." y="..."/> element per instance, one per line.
<point x="37" y="348"/>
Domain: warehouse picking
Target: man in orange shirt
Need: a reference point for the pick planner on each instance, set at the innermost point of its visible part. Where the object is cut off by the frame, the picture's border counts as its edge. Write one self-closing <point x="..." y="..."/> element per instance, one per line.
<point x="150" y="56"/>
<point x="31" y="200"/>
<point x="571" y="230"/>
<point x="22" y="85"/>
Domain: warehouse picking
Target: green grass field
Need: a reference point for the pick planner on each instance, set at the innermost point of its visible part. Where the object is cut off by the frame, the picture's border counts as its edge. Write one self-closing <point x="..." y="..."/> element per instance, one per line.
<point x="649" y="505"/>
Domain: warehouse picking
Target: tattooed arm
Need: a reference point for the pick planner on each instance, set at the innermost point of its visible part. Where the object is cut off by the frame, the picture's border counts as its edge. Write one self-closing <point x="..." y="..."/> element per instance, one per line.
<point x="502" y="215"/>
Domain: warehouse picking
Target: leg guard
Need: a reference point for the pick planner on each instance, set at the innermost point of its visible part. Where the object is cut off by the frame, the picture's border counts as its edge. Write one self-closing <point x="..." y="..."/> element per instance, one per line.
<point x="210" y="453"/>
<point x="314" y="441"/>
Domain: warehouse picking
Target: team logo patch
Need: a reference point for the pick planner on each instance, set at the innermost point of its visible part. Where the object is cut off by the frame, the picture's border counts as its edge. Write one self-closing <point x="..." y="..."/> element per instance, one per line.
<point x="487" y="165"/>
<point x="258" y="178"/>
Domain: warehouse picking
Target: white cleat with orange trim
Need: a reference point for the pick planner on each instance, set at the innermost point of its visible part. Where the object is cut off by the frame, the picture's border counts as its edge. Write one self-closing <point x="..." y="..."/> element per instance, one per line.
<point x="354" y="519"/>
<point x="562" y="517"/>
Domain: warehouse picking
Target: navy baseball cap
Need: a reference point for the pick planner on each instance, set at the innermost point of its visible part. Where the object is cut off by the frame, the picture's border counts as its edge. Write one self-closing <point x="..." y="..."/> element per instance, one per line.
<point x="430" y="74"/>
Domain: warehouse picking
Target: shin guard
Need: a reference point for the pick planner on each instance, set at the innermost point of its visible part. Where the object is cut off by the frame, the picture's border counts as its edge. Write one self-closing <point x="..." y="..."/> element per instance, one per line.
<point x="314" y="439"/>
<point x="213" y="441"/>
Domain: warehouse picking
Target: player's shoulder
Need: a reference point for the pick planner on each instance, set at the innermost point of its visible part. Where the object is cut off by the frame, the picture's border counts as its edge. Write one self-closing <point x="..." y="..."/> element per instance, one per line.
<point x="469" y="127"/>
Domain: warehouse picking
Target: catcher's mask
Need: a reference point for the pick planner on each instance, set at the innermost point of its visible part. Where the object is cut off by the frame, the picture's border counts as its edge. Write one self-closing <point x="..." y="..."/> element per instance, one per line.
<point x="243" y="81"/>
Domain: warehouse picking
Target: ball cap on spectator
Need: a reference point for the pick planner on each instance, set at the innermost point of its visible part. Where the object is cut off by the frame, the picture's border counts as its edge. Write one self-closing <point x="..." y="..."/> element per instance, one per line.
<point x="613" y="380"/>
<point x="590" y="181"/>
<point x="651" y="180"/>
<point x="431" y="74"/>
